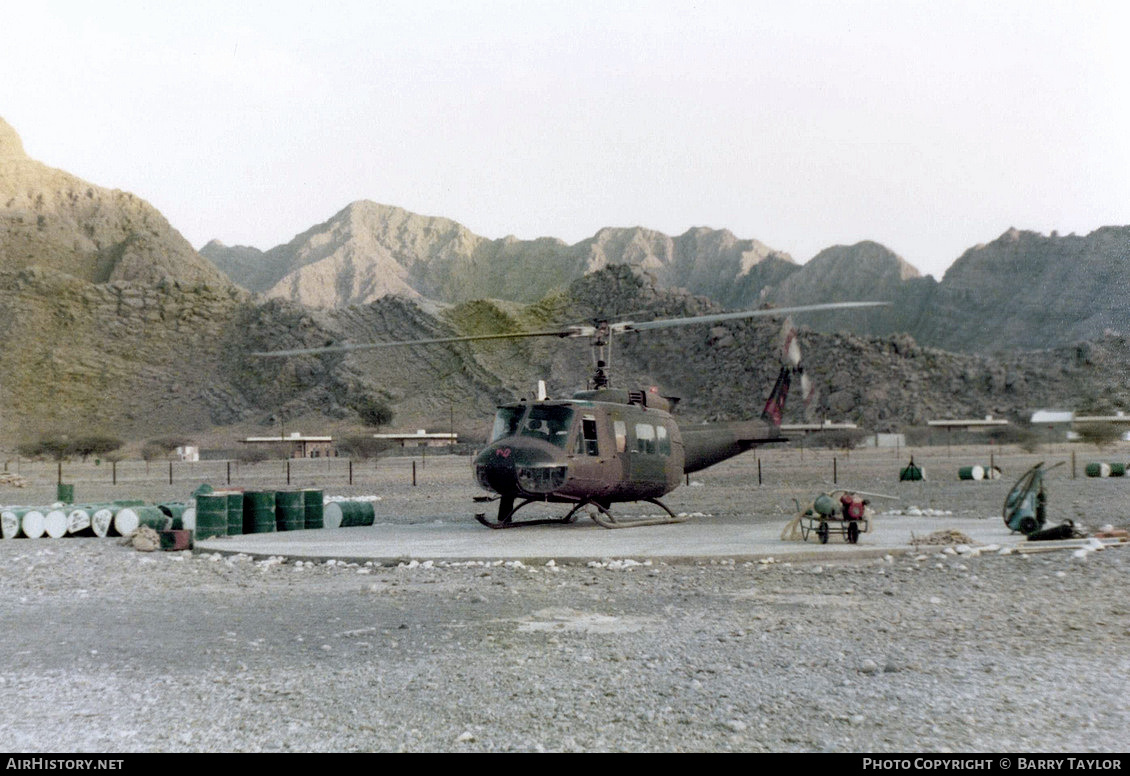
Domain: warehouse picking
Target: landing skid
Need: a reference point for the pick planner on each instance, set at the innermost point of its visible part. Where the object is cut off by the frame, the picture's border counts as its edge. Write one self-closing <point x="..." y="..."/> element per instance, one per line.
<point x="600" y="513"/>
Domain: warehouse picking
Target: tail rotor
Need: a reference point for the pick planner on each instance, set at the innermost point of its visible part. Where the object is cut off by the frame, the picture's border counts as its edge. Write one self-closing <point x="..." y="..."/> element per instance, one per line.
<point x="791" y="363"/>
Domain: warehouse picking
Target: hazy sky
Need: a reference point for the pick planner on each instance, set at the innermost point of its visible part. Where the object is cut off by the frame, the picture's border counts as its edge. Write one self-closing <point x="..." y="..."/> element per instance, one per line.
<point x="926" y="126"/>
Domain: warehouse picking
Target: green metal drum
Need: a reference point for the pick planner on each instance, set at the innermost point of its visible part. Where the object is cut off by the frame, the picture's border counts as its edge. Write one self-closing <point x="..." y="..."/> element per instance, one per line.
<point x="211" y="515"/>
<point x="290" y="510"/>
<point x="234" y="499"/>
<point x="348" y="514"/>
<point x="1095" y="469"/>
<point x="312" y="501"/>
<point x="174" y="510"/>
<point x="259" y="511"/>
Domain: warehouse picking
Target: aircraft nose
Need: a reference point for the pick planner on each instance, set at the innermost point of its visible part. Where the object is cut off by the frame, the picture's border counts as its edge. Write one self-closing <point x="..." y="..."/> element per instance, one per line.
<point x="509" y="469"/>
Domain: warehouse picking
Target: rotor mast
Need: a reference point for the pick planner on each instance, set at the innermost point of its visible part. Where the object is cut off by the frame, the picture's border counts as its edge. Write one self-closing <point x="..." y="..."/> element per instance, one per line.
<point x="601" y="355"/>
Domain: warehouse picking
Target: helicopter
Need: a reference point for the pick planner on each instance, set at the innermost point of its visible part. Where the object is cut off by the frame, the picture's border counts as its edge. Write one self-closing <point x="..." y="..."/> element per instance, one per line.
<point x="606" y="445"/>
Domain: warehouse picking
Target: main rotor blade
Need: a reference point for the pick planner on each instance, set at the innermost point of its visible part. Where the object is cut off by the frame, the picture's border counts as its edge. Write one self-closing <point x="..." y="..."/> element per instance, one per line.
<point x="631" y="326"/>
<point x="570" y="331"/>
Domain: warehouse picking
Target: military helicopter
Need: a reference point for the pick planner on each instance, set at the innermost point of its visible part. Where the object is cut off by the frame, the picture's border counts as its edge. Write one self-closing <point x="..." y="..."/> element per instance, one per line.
<point x="607" y="445"/>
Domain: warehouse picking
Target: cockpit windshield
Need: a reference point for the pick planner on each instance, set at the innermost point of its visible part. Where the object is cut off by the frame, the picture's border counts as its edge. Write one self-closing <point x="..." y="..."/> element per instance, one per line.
<point x="506" y="422"/>
<point x="549" y="423"/>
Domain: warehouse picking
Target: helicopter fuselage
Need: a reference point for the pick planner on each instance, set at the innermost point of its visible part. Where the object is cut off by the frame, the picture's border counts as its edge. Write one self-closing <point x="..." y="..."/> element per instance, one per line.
<point x="603" y="446"/>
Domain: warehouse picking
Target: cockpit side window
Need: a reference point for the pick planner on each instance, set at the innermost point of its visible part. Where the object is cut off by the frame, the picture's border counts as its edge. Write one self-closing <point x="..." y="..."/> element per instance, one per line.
<point x="587" y="443"/>
<point x="620" y="431"/>
<point x="645" y="438"/>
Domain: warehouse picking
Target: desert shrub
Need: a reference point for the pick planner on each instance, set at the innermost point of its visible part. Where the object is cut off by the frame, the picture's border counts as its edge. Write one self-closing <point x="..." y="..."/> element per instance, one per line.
<point x="362" y="447"/>
<point x="162" y="447"/>
<point x="55" y="447"/>
<point x="373" y="411"/>
<point x="839" y="438"/>
<point x="1101" y="435"/>
<point x="151" y="451"/>
<point x="252" y="454"/>
<point x="1024" y="438"/>
<point x="96" y="444"/>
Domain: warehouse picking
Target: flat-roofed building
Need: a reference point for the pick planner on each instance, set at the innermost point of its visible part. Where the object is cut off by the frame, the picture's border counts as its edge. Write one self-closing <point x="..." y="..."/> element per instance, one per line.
<point x="422" y="438"/>
<point x="301" y="446"/>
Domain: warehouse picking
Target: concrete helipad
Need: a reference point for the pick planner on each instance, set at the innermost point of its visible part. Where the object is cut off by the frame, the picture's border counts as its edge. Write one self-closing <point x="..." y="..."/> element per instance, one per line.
<point x="698" y="538"/>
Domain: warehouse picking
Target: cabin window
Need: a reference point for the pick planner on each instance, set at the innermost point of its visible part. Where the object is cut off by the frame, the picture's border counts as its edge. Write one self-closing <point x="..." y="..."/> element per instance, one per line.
<point x="664" y="441"/>
<point x="550" y="424"/>
<point x="620" y="430"/>
<point x="586" y="440"/>
<point x="506" y="422"/>
<point x="645" y="438"/>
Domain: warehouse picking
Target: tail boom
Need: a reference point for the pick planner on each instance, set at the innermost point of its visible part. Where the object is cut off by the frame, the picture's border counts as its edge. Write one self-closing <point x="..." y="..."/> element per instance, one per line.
<point x="711" y="443"/>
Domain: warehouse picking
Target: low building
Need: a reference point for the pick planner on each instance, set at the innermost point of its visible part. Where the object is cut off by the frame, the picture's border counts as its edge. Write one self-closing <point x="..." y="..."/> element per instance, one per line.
<point x="815" y="427"/>
<point x="987" y="423"/>
<point x="188" y="453"/>
<point x="884" y="440"/>
<point x="1055" y="424"/>
<point x="1117" y="419"/>
<point x="300" y="446"/>
<point x="421" y="438"/>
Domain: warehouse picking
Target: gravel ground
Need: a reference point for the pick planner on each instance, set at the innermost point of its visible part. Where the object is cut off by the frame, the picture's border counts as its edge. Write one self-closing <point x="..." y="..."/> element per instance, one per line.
<point x="112" y="650"/>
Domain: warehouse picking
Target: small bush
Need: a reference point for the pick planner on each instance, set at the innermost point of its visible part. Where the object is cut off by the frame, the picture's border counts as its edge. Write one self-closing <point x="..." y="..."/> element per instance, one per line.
<point x="839" y="438"/>
<point x="96" y="444"/>
<point x="55" y="447"/>
<point x="373" y="411"/>
<point x="251" y="454"/>
<point x="362" y="447"/>
<point x="1024" y="438"/>
<point x="162" y="447"/>
<point x="1101" y="435"/>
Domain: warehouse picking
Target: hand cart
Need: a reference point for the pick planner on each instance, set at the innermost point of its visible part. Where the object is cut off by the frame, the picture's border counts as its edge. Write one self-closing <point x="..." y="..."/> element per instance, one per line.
<point x="830" y="513"/>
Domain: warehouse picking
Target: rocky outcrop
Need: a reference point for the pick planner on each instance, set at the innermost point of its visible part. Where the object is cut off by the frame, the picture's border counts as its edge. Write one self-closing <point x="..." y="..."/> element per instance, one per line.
<point x="116" y="357"/>
<point x="866" y="271"/>
<point x="140" y="360"/>
<point x="51" y="219"/>
<point x="1027" y="290"/>
<point x="882" y="383"/>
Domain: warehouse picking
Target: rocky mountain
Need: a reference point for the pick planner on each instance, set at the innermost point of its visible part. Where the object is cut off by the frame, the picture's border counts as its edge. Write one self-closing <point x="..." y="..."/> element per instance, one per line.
<point x="1024" y="290"/>
<point x="110" y="323"/>
<point x="51" y="219"/>
<point x="140" y="361"/>
<point x="1027" y="290"/>
<point x="866" y="271"/>
<point x="368" y="251"/>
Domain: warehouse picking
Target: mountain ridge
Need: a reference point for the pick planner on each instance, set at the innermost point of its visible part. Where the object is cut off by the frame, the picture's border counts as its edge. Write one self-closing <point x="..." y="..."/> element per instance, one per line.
<point x="1022" y="290"/>
<point x="108" y="324"/>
